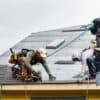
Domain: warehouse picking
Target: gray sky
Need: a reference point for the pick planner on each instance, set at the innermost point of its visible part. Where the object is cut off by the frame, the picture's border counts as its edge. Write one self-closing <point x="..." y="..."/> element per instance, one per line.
<point x="18" y="18"/>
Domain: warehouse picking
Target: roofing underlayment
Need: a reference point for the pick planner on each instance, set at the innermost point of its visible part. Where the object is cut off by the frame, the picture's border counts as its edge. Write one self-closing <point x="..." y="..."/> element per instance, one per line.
<point x="74" y="41"/>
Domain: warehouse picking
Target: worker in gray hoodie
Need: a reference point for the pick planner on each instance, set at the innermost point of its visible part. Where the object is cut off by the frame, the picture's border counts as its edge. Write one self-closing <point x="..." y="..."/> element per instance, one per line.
<point x="39" y="56"/>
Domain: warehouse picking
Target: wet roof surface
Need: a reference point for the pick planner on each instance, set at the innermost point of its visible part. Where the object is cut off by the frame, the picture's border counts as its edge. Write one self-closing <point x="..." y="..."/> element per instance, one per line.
<point x="74" y="41"/>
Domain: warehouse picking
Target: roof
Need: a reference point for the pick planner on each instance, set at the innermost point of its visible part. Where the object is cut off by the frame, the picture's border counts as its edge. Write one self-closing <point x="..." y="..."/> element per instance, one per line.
<point x="64" y="73"/>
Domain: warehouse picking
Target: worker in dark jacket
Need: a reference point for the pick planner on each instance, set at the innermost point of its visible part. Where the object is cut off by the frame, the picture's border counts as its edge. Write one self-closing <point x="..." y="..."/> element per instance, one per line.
<point x="39" y="57"/>
<point x="19" y="67"/>
<point x="94" y="64"/>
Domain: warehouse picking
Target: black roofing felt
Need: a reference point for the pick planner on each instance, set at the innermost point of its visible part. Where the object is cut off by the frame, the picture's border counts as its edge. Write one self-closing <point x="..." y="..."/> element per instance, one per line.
<point x="64" y="73"/>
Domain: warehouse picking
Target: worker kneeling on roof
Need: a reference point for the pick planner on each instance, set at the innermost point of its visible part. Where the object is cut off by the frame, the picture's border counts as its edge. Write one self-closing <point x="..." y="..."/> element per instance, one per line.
<point x="85" y="54"/>
<point x="39" y="56"/>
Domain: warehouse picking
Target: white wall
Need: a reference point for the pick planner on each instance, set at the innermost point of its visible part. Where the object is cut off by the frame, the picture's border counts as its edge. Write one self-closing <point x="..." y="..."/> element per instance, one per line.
<point x="18" y="18"/>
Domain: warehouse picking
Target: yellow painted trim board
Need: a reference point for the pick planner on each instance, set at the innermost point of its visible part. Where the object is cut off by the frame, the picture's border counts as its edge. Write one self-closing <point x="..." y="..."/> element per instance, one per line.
<point x="44" y="87"/>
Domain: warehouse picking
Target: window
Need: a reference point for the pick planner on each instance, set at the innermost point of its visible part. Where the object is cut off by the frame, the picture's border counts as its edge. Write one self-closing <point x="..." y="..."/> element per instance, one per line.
<point x="59" y="98"/>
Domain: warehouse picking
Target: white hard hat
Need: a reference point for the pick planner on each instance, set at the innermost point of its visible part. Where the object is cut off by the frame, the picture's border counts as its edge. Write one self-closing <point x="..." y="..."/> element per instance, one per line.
<point x="43" y="52"/>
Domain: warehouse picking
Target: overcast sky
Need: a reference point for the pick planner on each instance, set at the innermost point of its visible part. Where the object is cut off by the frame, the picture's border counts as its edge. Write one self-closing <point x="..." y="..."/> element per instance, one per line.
<point x="18" y="18"/>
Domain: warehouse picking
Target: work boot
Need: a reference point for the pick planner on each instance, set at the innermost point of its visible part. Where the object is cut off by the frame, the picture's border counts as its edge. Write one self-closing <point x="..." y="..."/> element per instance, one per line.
<point x="90" y="77"/>
<point x="37" y="75"/>
<point x="52" y="78"/>
<point x="35" y="78"/>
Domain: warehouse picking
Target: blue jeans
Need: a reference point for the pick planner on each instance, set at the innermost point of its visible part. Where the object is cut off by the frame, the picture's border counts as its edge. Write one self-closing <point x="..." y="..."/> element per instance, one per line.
<point x="93" y="65"/>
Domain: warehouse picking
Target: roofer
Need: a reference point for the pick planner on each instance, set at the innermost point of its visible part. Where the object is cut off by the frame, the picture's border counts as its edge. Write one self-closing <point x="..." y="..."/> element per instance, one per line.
<point x="29" y="58"/>
<point x="39" y="57"/>
<point x="93" y="63"/>
<point x="83" y="56"/>
<point x="20" y="68"/>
